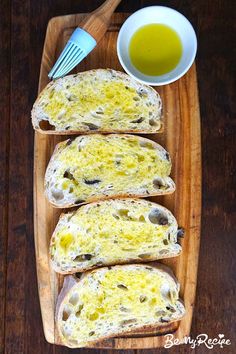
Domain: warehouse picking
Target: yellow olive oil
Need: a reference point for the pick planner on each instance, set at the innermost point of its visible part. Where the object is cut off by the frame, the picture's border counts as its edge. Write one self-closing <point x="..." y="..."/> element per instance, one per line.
<point x="155" y="49"/>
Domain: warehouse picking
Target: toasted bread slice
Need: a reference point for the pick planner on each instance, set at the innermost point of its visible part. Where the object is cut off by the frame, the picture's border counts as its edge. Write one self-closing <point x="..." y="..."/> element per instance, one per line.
<point x="97" y="101"/>
<point x="96" y="167"/>
<point x="107" y="302"/>
<point x="110" y="232"/>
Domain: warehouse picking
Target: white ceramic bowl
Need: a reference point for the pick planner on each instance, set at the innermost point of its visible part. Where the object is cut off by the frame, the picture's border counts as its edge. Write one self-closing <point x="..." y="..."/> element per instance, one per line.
<point x="166" y="16"/>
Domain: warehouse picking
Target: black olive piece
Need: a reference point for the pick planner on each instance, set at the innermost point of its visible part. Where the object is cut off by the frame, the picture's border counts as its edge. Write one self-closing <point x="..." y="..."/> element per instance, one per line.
<point x="163" y="220"/>
<point x="140" y="120"/>
<point x="78" y="275"/>
<point x="71" y="189"/>
<point x="170" y="308"/>
<point x="162" y="252"/>
<point x="68" y="175"/>
<point x="71" y="98"/>
<point x="69" y="141"/>
<point x="83" y="257"/>
<point x="69" y="217"/>
<point x="144" y="255"/>
<point x="125" y="322"/>
<point x="142" y="298"/>
<point x="180" y="233"/>
<point x="87" y="256"/>
<point x="152" y="122"/>
<point x="91" y="126"/>
<point x="149" y="268"/>
<point x="79" y="201"/>
<point x="91" y="333"/>
<point x="167" y="155"/>
<point x="92" y="181"/>
<point x="77" y="314"/>
<point x="121" y="286"/>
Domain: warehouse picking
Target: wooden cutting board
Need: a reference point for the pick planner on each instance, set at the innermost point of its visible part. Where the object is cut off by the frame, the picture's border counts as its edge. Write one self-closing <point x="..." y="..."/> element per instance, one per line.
<point x="181" y="138"/>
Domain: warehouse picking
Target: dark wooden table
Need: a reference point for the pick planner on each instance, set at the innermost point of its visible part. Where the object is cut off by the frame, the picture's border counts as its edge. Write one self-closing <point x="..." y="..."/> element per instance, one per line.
<point x="22" y="28"/>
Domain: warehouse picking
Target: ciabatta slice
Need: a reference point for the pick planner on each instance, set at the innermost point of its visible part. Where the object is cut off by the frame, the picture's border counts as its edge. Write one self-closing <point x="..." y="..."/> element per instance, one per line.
<point x="101" y="100"/>
<point x="114" y="231"/>
<point x="96" y="167"/>
<point x="108" y="302"/>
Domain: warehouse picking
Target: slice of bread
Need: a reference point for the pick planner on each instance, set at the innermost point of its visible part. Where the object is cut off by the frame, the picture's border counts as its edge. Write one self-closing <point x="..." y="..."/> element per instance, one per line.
<point x="110" y="232"/>
<point x="108" y="302"/>
<point x="95" y="167"/>
<point x="97" y="101"/>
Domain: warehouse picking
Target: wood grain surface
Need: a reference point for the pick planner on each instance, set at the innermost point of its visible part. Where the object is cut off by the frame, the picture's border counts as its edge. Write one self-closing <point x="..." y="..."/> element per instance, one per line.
<point x="23" y="25"/>
<point x="181" y="138"/>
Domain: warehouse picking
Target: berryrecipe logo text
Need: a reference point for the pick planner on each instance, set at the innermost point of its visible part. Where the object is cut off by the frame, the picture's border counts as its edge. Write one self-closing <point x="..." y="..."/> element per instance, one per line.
<point x="201" y="339"/>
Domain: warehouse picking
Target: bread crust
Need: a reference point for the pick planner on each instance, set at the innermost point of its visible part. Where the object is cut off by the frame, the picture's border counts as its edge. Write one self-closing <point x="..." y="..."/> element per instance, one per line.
<point x="120" y="75"/>
<point x="159" y="192"/>
<point x="126" y="261"/>
<point x="70" y="281"/>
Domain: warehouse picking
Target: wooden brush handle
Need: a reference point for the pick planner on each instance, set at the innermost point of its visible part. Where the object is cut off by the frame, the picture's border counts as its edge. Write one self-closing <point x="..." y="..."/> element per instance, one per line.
<point x="98" y="21"/>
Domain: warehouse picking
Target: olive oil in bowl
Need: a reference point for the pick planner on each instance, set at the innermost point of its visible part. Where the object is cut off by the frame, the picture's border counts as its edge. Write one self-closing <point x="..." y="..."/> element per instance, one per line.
<point x="155" y="49"/>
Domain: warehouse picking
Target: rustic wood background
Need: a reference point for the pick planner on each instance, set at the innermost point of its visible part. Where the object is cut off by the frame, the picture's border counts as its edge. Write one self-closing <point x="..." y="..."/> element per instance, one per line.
<point x="22" y="28"/>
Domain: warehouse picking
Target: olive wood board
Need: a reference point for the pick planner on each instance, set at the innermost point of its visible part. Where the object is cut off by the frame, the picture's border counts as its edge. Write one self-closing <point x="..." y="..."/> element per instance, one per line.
<point x="181" y="137"/>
